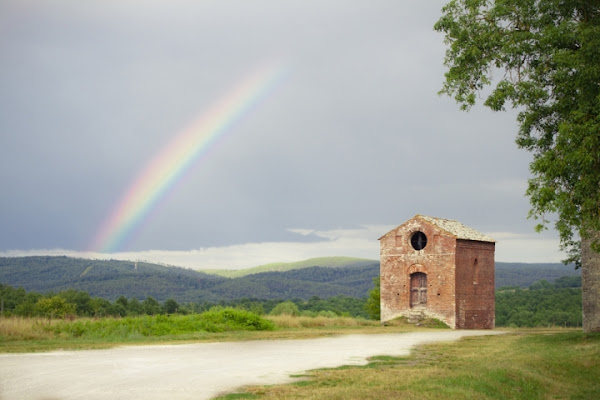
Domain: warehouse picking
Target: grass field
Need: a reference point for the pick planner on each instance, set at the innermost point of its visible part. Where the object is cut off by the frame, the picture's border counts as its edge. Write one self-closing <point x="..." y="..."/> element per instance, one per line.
<point x="531" y="364"/>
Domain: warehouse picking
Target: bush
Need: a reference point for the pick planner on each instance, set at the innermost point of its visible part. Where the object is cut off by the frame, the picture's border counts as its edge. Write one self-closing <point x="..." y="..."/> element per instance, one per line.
<point x="285" y="308"/>
<point x="219" y="320"/>
<point x="55" y="306"/>
<point x="231" y="319"/>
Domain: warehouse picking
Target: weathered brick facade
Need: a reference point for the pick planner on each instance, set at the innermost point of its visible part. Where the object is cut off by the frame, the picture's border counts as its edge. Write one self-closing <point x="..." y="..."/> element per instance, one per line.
<point x="438" y="268"/>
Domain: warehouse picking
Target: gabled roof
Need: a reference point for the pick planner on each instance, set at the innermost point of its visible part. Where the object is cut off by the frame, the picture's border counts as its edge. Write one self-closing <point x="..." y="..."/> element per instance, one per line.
<point x="454" y="228"/>
<point x="457" y="229"/>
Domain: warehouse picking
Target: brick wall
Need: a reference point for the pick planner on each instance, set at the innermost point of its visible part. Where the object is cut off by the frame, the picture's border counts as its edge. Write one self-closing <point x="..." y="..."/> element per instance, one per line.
<point x="475" y="301"/>
<point x="399" y="260"/>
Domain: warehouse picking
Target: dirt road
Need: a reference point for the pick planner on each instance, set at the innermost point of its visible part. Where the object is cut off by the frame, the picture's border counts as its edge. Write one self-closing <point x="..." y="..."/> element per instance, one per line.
<point x="194" y="371"/>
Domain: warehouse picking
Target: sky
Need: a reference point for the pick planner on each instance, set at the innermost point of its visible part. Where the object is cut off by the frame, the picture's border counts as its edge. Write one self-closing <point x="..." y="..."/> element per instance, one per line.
<point x="230" y="134"/>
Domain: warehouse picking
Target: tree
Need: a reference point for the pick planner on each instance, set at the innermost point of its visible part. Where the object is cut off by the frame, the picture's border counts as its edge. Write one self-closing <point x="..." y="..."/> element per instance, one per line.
<point x="542" y="57"/>
<point x="373" y="305"/>
<point x="54" y="306"/>
<point x="122" y="300"/>
<point x="170" y="306"/>
<point x="151" y="306"/>
<point x="541" y="284"/>
<point x="101" y="307"/>
<point x="134" y="307"/>
<point x="80" y="299"/>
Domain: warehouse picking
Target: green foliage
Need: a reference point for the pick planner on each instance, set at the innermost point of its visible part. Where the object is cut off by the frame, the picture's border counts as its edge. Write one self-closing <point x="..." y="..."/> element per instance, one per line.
<point x="568" y="281"/>
<point x="299" y="283"/>
<point x="105" y="278"/>
<point x="523" y="275"/>
<point x="151" y="306"/>
<point x="170" y="306"/>
<point x="54" y="306"/>
<point x="542" y="284"/>
<point x="339" y="305"/>
<point x="285" y="308"/>
<point x="230" y="319"/>
<point x="325" y="262"/>
<point x="548" y="51"/>
<point x="543" y="304"/>
<point x="433" y="323"/>
<point x="134" y="307"/>
<point x="218" y="320"/>
<point x="19" y="302"/>
<point x="373" y="305"/>
<point x="339" y="289"/>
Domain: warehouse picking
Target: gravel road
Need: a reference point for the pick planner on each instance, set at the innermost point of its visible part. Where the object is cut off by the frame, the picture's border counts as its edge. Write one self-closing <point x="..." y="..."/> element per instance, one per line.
<point x="191" y="371"/>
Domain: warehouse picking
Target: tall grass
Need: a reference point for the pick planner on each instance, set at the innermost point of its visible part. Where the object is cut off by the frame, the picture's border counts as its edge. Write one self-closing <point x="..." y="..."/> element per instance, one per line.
<point x="34" y="334"/>
<point x="218" y="320"/>
<point x="24" y="328"/>
<point x="289" y="321"/>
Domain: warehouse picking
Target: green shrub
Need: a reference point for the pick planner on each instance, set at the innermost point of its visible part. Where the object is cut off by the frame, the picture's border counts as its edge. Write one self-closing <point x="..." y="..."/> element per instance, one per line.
<point x="215" y="320"/>
<point x="231" y="319"/>
<point x="285" y="308"/>
<point x="54" y="306"/>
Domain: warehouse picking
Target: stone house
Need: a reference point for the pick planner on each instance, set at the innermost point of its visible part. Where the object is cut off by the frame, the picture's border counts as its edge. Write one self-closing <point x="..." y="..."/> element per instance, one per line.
<point x="440" y="268"/>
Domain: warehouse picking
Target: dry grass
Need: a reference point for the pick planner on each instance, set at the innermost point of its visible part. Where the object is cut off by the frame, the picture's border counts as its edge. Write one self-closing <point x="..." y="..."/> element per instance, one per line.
<point x="21" y="328"/>
<point x="288" y="321"/>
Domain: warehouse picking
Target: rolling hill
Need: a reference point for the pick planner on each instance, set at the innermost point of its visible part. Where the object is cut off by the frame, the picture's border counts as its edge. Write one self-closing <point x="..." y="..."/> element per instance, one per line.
<point x="322" y="277"/>
<point x="325" y="262"/>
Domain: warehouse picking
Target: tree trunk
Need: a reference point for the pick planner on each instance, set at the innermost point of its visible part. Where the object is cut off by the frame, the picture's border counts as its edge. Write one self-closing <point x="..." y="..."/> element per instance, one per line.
<point x="590" y="278"/>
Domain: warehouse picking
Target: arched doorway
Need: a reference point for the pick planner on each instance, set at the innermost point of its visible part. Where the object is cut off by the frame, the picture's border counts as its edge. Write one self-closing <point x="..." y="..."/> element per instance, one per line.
<point x="418" y="289"/>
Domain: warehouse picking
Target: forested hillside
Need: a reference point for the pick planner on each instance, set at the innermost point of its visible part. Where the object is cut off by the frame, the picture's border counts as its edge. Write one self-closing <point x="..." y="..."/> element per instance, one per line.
<point x="327" y="262"/>
<point x="111" y="279"/>
<point x="524" y="275"/>
<point x="542" y="304"/>
<point x="108" y="279"/>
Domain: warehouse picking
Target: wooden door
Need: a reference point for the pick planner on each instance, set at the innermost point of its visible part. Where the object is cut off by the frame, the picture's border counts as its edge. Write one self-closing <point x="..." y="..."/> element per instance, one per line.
<point x="418" y="289"/>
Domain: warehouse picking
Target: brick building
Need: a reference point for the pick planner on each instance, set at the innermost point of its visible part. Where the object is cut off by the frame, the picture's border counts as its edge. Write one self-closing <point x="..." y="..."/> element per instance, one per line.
<point x="440" y="268"/>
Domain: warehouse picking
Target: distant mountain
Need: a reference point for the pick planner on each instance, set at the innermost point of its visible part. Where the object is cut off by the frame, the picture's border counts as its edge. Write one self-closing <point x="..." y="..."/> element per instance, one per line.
<point x="322" y="277"/>
<point x="104" y="278"/>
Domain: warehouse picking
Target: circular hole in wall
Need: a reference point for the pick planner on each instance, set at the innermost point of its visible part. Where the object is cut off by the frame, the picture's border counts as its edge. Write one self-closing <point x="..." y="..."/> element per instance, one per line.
<point x="418" y="240"/>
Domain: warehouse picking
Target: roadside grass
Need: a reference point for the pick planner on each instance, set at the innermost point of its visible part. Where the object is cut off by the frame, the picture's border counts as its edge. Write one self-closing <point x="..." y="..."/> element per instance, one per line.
<point x="34" y="334"/>
<point x="288" y="321"/>
<point x="18" y="334"/>
<point x="529" y="364"/>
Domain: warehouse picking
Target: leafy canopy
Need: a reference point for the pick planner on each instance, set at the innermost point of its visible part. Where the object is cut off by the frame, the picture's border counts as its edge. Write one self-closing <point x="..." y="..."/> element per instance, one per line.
<point x="541" y="57"/>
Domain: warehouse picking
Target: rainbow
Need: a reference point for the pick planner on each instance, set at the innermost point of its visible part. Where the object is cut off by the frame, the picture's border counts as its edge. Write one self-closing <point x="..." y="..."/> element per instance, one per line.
<point x="168" y="166"/>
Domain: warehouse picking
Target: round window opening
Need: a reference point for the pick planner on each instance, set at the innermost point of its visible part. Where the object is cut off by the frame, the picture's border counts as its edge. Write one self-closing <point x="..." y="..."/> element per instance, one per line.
<point x="418" y="240"/>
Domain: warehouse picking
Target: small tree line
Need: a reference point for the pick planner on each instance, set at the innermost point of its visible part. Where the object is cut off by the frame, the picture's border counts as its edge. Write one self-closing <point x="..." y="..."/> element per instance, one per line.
<point x="73" y="303"/>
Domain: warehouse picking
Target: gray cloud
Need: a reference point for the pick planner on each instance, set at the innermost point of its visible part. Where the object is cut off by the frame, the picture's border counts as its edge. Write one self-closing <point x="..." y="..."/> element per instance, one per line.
<point x="355" y="134"/>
